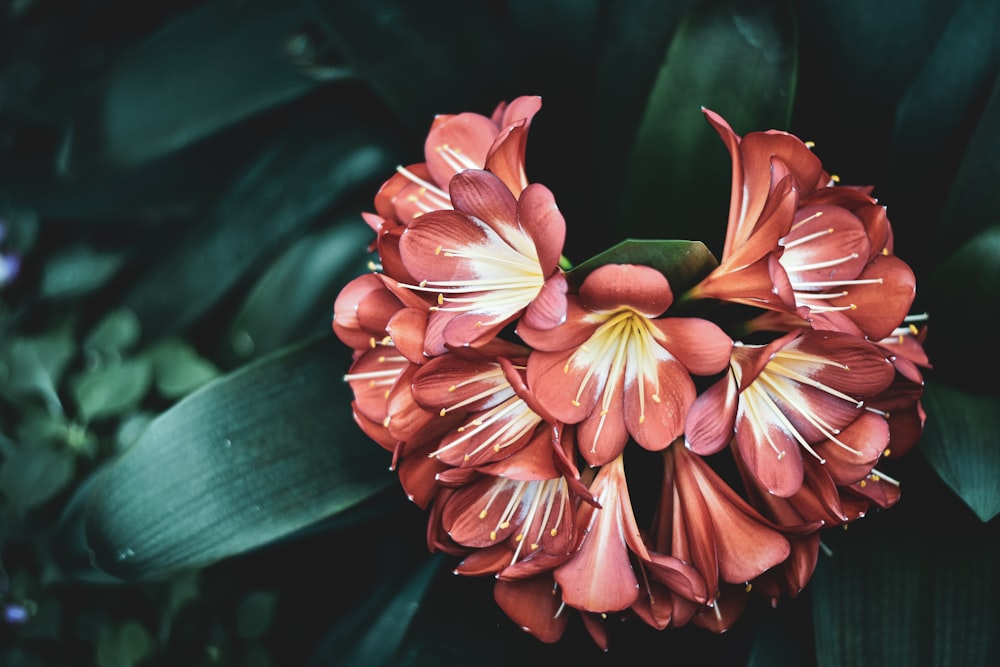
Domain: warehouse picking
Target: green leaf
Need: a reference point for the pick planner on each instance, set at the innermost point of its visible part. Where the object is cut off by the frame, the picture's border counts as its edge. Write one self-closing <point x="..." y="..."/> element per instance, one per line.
<point x="684" y="263"/>
<point x="251" y="457"/>
<point x="34" y="367"/>
<point x="116" y="333"/>
<point x="954" y="294"/>
<point x="78" y="270"/>
<point x="202" y="72"/>
<point x="34" y="474"/>
<point x="111" y="390"/>
<point x="373" y="635"/>
<point x="974" y="200"/>
<point x="962" y="443"/>
<point x="424" y="59"/>
<point x="913" y="590"/>
<point x="296" y="178"/>
<point x="932" y="117"/>
<point x="301" y="285"/>
<point x="736" y="58"/>
<point x="179" y="369"/>
<point x="630" y="32"/>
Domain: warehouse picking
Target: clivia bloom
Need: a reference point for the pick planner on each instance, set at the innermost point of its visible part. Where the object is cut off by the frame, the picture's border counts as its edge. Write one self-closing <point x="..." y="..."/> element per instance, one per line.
<point x="488" y="261"/>
<point x="619" y="369"/>
<point x="514" y="393"/>
<point x="802" y="392"/>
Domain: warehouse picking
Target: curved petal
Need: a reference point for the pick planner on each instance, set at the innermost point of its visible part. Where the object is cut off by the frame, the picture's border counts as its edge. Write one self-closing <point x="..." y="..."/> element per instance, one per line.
<point x="711" y="421"/>
<point x="548" y="310"/>
<point x="700" y="345"/>
<point x="458" y="142"/>
<point x="534" y="605"/>
<point x="615" y="286"/>
<point x="599" y="577"/>
<point x="541" y="220"/>
<point x="654" y="415"/>
<point x="747" y="546"/>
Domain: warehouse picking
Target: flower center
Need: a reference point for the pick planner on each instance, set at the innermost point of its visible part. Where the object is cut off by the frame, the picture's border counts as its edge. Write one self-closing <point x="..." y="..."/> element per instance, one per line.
<point x="539" y="502"/>
<point x="780" y="381"/>
<point x="621" y="349"/>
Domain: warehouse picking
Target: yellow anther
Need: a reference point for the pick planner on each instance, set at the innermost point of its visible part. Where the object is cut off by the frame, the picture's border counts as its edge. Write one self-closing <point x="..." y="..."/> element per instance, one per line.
<point x="482" y="515"/>
<point x="575" y="403"/>
<point x="810" y="144"/>
<point x="887" y="452"/>
<point x="443" y="412"/>
<point x="835" y="178"/>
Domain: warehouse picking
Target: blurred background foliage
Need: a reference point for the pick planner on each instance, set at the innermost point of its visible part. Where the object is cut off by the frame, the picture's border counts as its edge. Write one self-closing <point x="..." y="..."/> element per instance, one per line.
<point x="181" y="482"/>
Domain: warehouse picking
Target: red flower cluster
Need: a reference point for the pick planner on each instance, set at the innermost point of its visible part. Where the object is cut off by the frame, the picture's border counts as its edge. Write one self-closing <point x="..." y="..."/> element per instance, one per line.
<point x="509" y="395"/>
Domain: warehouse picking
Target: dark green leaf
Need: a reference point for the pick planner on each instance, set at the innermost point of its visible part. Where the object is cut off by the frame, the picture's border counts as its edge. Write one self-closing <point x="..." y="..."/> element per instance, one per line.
<point x="179" y="369"/>
<point x="373" y="634"/>
<point x="111" y="390"/>
<point x="78" y="270"/>
<point x="954" y="296"/>
<point x="424" y="59"/>
<point x="630" y="32"/>
<point x="301" y="285"/>
<point x="249" y="458"/>
<point x="298" y="177"/>
<point x="736" y="58"/>
<point x="34" y="474"/>
<point x="684" y="263"/>
<point x="974" y="200"/>
<point x="117" y="332"/>
<point x="919" y="590"/>
<point x="34" y="367"/>
<point x="962" y="443"/>
<point x="204" y="71"/>
<point x="854" y="35"/>
<point x="933" y="117"/>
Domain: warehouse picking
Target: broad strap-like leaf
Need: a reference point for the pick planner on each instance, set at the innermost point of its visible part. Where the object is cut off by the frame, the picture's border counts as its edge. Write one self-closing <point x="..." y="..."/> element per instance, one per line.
<point x="962" y="443"/>
<point x="736" y="58"/>
<point x="919" y="589"/>
<point x="958" y="295"/>
<point x="423" y="59"/>
<point x="251" y="457"/>
<point x="297" y="177"/>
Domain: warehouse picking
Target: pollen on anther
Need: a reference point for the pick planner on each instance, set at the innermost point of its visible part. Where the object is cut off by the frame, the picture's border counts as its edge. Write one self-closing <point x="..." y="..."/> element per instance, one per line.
<point x="835" y="178"/>
<point x="493" y="535"/>
<point x="437" y="250"/>
<point x="482" y="515"/>
<point x="519" y="537"/>
<point x="887" y="452"/>
<point x="863" y="484"/>
<point x="749" y="587"/>
<point x="553" y="532"/>
<point x="440" y="299"/>
<point x="534" y="546"/>
<point x="443" y="412"/>
<point x="875" y="478"/>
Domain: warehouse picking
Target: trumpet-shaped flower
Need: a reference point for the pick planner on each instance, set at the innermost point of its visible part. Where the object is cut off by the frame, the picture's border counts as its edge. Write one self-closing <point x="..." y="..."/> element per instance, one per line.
<point x="492" y="259"/>
<point x="617" y="367"/>
<point x="800" y="392"/>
